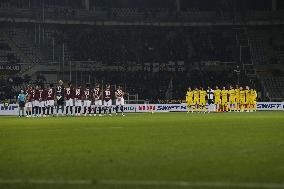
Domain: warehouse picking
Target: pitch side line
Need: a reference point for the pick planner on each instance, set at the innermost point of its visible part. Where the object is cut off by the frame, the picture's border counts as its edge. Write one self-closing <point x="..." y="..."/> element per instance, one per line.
<point x="145" y="183"/>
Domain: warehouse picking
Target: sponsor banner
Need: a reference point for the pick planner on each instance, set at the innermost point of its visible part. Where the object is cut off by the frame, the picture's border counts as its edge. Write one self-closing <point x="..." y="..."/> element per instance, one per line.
<point x="13" y="109"/>
<point x="10" y="68"/>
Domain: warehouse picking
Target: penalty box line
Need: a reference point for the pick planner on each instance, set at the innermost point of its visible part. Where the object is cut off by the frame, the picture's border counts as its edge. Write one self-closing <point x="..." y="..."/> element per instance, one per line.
<point x="145" y="183"/>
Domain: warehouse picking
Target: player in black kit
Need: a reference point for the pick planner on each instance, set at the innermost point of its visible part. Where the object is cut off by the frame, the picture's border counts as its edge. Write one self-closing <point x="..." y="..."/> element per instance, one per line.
<point x="60" y="97"/>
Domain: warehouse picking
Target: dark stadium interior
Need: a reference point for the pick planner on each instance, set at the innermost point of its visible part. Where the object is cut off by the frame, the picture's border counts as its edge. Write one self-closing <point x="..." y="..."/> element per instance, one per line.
<point x="155" y="48"/>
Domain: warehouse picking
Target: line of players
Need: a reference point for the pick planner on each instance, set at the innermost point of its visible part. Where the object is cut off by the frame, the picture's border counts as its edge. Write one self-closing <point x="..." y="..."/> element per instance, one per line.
<point x="236" y="99"/>
<point x="41" y="102"/>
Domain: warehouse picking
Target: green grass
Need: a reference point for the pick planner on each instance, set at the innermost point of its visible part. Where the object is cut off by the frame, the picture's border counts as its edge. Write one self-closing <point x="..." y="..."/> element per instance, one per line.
<point x="214" y="148"/>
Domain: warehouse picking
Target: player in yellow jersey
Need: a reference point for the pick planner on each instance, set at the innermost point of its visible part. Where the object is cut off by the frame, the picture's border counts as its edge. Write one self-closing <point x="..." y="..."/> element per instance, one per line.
<point x="242" y="99"/>
<point x="217" y="98"/>
<point x="196" y="99"/>
<point x="232" y="99"/>
<point x="253" y="97"/>
<point x="189" y="100"/>
<point x="224" y="102"/>
<point x="237" y="100"/>
<point x="247" y="92"/>
<point x="202" y="100"/>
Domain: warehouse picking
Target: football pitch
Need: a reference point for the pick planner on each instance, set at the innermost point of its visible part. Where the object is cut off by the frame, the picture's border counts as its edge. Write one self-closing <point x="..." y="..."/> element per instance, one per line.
<point x="143" y="150"/>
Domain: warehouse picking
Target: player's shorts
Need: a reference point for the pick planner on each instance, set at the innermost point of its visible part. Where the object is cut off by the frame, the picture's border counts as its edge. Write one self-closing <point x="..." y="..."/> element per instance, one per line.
<point x="42" y="104"/>
<point x="242" y="101"/>
<point x="232" y="101"/>
<point x="202" y="102"/>
<point x="50" y="103"/>
<point x="22" y="104"/>
<point x="98" y="103"/>
<point x="87" y="103"/>
<point x="78" y="102"/>
<point x="36" y="103"/>
<point x="217" y="101"/>
<point x="119" y="101"/>
<point x="69" y="102"/>
<point x="237" y="100"/>
<point x="60" y="102"/>
<point x="189" y="103"/>
<point x="210" y="101"/>
<point x="195" y="101"/>
<point x="224" y="102"/>
<point x="29" y="105"/>
<point x="107" y="103"/>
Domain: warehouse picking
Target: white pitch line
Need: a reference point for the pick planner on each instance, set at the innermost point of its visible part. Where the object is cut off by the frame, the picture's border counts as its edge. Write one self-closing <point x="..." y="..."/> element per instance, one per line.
<point x="150" y="183"/>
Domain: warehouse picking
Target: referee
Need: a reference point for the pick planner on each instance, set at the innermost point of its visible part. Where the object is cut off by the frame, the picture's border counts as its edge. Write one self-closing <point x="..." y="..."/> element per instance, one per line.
<point x="210" y="97"/>
<point x="21" y="100"/>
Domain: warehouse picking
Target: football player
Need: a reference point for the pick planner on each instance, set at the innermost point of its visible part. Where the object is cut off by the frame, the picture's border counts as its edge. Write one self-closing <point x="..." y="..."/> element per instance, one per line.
<point x="202" y="100"/>
<point x="232" y="98"/>
<point x="97" y="95"/>
<point x="107" y="100"/>
<point x="42" y="101"/>
<point x="119" y="100"/>
<point x="60" y="97"/>
<point x="87" y="100"/>
<point x="50" y="95"/>
<point x="29" y="104"/>
<point x="69" y="97"/>
<point x="217" y="98"/>
<point x="196" y="99"/>
<point x="189" y="100"/>
<point x="224" y="103"/>
<point x="242" y="99"/>
<point x="78" y="100"/>
<point x="36" y="104"/>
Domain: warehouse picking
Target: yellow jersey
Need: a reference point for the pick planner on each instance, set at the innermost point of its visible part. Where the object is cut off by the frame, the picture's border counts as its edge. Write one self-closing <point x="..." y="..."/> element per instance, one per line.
<point x="237" y="93"/>
<point x="247" y="92"/>
<point x="202" y="94"/>
<point x="232" y="93"/>
<point x="224" y="94"/>
<point x="253" y="95"/>
<point x="189" y="96"/>
<point x="196" y="94"/>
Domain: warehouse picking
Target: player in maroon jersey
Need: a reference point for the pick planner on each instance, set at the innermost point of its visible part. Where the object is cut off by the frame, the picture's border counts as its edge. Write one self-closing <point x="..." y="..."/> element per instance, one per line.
<point x="119" y="102"/>
<point x="78" y="100"/>
<point x="97" y="96"/>
<point x="50" y="95"/>
<point x="36" y="101"/>
<point x="41" y="93"/>
<point x="87" y="100"/>
<point x="69" y="98"/>
<point x="29" y="104"/>
<point x="107" y="100"/>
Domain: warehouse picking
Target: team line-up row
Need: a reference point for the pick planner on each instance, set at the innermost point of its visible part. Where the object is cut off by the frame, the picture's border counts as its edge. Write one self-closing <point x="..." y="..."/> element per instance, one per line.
<point x="38" y="101"/>
<point x="236" y="99"/>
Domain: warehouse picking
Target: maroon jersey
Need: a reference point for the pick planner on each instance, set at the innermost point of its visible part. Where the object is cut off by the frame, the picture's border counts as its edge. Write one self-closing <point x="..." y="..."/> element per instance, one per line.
<point x="41" y="94"/>
<point x="69" y="93"/>
<point x="107" y="95"/>
<point x="97" y="93"/>
<point x="87" y="94"/>
<point x="78" y="94"/>
<point x="33" y="94"/>
<point x="36" y="94"/>
<point x="29" y="95"/>
<point x="50" y="94"/>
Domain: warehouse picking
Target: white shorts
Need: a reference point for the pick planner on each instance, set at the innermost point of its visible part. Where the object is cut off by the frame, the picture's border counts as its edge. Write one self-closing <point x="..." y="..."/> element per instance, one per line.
<point x="50" y="103"/>
<point x="42" y="104"/>
<point x="78" y="102"/>
<point x="69" y="102"/>
<point x="107" y="103"/>
<point x="98" y="102"/>
<point x="119" y="101"/>
<point x="36" y="103"/>
<point x="28" y="105"/>
<point x="87" y="103"/>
